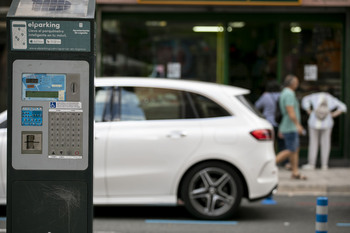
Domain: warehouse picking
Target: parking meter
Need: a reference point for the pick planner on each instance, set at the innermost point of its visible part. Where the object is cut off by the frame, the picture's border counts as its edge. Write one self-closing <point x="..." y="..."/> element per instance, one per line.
<point x="50" y="116"/>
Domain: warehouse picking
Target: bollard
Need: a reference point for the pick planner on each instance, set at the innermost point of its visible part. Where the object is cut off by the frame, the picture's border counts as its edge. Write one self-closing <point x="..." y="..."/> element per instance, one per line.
<point x="322" y="215"/>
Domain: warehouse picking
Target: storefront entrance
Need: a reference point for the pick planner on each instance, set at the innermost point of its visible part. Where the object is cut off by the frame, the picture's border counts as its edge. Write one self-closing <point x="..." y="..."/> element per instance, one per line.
<point x="265" y="51"/>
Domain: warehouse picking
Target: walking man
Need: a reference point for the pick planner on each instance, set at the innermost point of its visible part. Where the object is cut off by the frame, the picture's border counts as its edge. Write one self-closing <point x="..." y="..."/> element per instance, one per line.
<point x="290" y="127"/>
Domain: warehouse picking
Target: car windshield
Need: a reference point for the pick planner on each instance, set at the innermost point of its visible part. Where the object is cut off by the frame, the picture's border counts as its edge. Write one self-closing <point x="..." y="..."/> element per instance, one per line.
<point x="249" y="105"/>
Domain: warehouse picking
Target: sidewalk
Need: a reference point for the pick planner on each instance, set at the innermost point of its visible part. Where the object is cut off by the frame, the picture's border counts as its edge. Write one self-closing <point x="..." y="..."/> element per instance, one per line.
<point x="334" y="181"/>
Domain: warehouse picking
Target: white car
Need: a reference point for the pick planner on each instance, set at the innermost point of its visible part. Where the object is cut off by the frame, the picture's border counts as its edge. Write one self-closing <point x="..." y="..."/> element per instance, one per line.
<point x="173" y="142"/>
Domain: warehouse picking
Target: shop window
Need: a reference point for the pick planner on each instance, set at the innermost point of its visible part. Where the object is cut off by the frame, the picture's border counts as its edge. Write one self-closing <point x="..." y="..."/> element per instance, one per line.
<point x="313" y="51"/>
<point x="252" y="55"/>
<point x="158" y="48"/>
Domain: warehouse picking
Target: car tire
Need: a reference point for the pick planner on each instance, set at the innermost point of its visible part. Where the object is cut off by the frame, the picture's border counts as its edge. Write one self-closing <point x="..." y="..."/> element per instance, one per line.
<point x="212" y="191"/>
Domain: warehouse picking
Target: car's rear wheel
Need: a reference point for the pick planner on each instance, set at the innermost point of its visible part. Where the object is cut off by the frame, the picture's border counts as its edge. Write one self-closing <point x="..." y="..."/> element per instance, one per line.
<point x="212" y="191"/>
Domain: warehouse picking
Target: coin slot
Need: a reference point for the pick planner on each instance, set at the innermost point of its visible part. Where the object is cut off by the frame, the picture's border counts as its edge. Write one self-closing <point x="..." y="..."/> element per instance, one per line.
<point x="74" y="88"/>
<point x="30" y="142"/>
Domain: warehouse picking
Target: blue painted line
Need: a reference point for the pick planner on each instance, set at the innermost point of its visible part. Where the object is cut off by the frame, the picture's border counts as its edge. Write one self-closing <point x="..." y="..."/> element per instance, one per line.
<point x="343" y="224"/>
<point x="268" y="201"/>
<point x="191" y="222"/>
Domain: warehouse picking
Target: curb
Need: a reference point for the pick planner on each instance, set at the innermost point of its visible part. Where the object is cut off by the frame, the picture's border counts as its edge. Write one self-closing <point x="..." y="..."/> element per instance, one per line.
<point x="313" y="190"/>
<point x="335" y="181"/>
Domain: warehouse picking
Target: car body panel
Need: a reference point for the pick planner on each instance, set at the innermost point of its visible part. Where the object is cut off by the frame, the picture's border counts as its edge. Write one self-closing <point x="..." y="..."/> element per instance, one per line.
<point x="147" y="154"/>
<point x="143" y="162"/>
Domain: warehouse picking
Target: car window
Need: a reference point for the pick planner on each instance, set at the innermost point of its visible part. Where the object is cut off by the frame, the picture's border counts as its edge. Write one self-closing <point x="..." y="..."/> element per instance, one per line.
<point x="249" y="105"/>
<point x="145" y="103"/>
<point x="206" y="108"/>
<point x="102" y="104"/>
<point x="3" y="125"/>
<point x="3" y="119"/>
<point x="115" y="104"/>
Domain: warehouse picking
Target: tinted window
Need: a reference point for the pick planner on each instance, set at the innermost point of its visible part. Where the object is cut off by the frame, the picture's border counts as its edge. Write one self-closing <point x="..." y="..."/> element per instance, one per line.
<point x="116" y="105"/>
<point x="249" y="105"/>
<point x="207" y="108"/>
<point x="3" y="125"/>
<point x="102" y="104"/>
<point x="142" y="103"/>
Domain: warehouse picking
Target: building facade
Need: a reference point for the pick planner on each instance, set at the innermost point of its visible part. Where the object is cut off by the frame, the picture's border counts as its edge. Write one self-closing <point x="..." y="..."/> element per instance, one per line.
<point x="242" y="43"/>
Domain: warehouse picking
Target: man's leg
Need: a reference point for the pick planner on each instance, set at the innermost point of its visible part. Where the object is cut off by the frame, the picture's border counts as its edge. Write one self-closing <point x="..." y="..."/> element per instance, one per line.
<point x="282" y="156"/>
<point x="294" y="160"/>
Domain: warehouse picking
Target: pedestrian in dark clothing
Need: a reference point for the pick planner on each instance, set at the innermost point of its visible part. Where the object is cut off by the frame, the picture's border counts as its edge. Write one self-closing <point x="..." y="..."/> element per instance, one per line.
<point x="267" y="104"/>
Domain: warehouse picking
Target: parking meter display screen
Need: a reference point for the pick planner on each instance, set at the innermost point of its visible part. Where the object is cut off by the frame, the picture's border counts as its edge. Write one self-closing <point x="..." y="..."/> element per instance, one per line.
<point x="44" y="87"/>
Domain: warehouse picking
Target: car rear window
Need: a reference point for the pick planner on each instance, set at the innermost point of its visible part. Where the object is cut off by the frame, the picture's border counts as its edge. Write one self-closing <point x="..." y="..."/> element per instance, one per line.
<point x="249" y="105"/>
<point x="207" y="108"/>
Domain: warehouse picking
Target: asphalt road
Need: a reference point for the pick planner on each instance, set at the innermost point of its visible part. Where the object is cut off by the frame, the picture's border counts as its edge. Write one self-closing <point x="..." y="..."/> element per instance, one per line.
<point x="288" y="214"/>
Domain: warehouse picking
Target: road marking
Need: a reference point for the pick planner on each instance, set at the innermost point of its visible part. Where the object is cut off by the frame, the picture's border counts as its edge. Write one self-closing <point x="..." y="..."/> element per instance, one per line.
<point x="191" y="222"/>
<point x="268" y="201"/>
<point x="343" y="224"/>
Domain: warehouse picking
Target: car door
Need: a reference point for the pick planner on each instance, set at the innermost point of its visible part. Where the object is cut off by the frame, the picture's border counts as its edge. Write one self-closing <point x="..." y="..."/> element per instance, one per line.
<point x="154" y="135"/>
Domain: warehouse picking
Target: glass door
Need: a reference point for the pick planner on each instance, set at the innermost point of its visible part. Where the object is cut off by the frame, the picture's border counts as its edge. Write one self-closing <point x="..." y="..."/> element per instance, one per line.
<point x="313" y="51"/>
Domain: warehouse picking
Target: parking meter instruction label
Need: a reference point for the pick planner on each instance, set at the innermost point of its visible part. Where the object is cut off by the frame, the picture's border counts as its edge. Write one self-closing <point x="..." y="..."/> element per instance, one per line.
<point x="70" y="36"/>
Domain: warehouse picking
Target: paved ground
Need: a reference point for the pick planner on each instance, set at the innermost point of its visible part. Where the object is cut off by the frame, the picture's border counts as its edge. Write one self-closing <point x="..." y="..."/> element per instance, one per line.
<point x="334" y="181"/>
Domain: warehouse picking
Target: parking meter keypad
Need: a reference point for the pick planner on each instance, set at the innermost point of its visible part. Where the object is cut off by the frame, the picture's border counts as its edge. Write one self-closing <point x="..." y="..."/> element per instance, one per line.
<point x="65" y="134"/>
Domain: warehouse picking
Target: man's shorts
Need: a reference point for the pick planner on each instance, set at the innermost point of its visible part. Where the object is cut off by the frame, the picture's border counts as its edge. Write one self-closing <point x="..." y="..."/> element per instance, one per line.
<point x="291" y="141"/>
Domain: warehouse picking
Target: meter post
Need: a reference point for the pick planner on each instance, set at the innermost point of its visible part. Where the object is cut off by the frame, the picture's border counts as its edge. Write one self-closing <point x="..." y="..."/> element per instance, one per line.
<point x="50" y="116"/>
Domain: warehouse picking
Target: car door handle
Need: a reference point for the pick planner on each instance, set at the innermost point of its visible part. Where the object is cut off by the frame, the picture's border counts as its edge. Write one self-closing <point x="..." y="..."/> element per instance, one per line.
<point x="176" y="134"/>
